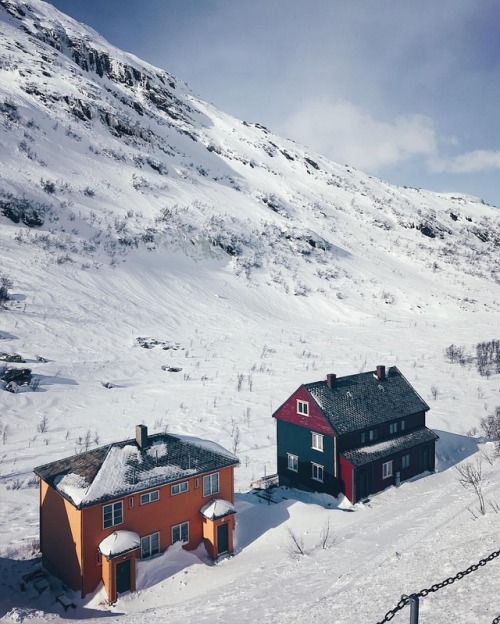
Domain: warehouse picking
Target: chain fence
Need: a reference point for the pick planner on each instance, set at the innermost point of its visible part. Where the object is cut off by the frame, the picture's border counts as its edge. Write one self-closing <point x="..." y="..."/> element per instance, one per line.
<point x="449" y="581"/>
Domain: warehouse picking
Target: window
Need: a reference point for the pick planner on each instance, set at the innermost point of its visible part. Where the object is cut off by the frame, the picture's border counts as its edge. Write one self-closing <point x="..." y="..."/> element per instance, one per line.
<point x="112" y="514"/>
<point x="373" y="434"/>
<point x="317" y="472"/>
<point x="363" y="437"/>
<point x="293" y="462"/>
<point x="180" y="532"/>
<point x="403" y="425"/>
<point x="150" y="545"/>
<point x="179" y="488"/>
<point x="211" y="484"/>
<point x="131" y="502"/>
<point x="387" y="470"/>
<point x="393" y="427"/>
<point x="317" y="441"/>
<point x="196" y="483"/>
<point x="150" y="497"/>
<point x="405" y="461"/>
<point x="302" y="408"/>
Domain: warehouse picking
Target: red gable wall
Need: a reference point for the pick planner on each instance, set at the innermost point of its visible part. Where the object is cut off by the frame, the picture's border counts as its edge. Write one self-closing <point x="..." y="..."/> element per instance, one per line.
<point x="315" y="421"/>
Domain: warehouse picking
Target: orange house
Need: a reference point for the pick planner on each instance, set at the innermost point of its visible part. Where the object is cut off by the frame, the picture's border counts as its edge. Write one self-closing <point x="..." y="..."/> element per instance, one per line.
<point x="105" y="508"/>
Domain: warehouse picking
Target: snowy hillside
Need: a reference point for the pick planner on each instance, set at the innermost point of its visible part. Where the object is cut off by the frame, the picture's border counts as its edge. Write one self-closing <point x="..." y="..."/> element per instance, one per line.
<point x="133" y="215"/>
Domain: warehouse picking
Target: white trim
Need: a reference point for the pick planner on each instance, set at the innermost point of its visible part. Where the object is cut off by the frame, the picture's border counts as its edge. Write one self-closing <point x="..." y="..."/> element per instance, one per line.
<point x="211" y="488"/>
<point x="179" y="528"/>
<point x="387" y="469"/>
<point x="149" y="497"/>
<point x="149" y="539"/>
<point x="181" y="487"/>
<point x="302" y="407"/>
<point x="294" y="460"/>
<point x="317" y="441"/>
<point x="320" y="470"/>
<point x="113" y="513"/>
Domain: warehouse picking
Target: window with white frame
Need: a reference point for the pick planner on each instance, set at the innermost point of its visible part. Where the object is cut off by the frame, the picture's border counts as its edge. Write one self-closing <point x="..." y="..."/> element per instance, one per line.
<point x="317" y="472"/>
<point x="317" y="441"/>
<point x="112" y="514"/>
<point x="150" y="545"/>
<point x="387" y="470"/>
<point x="302" y="407"/>
<point x="211" y="484"/>
<point x="405" y="461"/>
<point x="150" y="497"/>
<point x="393" y="427"/>
<point x="373" y="435"/>
<point x="180" y="532"/>
<point x="179" y="488"/>
<point x="293" y="462"/>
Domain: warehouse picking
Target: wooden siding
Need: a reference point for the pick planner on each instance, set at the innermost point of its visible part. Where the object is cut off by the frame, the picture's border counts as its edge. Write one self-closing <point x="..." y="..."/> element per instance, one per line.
<point x="315" y="421"/>
<point x="353" y="440"/>
<point x="297" y="440"/>
<point x="70" y="538"/>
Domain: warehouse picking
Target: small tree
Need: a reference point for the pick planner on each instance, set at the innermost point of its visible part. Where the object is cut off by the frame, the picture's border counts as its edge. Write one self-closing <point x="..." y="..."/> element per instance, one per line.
<point x="470" y="476"/>
<point x="296" y="548"/>
<point x="491" y="428"/>
<point x="5" y="284"/>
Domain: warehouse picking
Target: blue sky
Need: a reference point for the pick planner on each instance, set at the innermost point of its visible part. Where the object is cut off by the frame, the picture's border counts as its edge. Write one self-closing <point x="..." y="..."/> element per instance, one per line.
<point x="407" y="91"/>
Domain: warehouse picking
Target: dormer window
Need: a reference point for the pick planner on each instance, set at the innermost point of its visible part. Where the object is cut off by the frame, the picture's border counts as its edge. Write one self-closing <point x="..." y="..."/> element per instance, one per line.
<point x="373" y="435"/>
<point x="393" y="427"/>
<point x="302" y="407"/>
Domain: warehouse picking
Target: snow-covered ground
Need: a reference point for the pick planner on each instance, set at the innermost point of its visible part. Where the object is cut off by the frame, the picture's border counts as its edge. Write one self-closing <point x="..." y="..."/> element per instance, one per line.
<point x="259" y="271"/>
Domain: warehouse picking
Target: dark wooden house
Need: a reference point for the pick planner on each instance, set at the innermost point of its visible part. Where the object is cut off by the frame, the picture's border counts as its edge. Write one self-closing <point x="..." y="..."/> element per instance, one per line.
<point x="355" y="435"/>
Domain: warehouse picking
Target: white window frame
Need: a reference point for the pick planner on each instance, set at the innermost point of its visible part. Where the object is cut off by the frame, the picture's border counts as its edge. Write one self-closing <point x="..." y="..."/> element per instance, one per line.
<point x="116" y="511"/>
<point x="150" y="497"/>
<point x="393" y="427"/>
<point x="293" y="462"/>
<point x="317" y="441"/>
<point x="179" y="488"/>
<point x="319" y="470"/>
<point x="387" y="469"/>
<point x="208" y="484"/>
<point x="179" y="527"/>
<point x="302" y="407"/>
<point x="150" y="545"/>
<point x="405" y="461"/>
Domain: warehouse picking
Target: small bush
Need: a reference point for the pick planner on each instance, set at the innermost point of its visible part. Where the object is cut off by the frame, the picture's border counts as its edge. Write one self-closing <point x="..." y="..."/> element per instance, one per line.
<point x="5" y="284"/>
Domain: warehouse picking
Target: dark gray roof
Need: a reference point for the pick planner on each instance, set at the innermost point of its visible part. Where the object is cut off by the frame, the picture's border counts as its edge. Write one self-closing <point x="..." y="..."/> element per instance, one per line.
<point x="357" y="402"/>
<point x="123" y="468"/>
<point x="367" y="454"/>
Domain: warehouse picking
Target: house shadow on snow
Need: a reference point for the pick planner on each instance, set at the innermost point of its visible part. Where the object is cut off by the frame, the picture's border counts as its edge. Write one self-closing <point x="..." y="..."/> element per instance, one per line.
<point x="258" y="515"/>
<point x="21" y="596"/>
<point x="453" y="448"/>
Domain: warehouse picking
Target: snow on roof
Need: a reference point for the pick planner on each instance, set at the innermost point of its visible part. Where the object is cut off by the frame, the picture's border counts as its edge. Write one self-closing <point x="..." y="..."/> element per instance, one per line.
<point x="123" y="468"/>
<point x="119" y="542"/>
<point x="217" y="508"/>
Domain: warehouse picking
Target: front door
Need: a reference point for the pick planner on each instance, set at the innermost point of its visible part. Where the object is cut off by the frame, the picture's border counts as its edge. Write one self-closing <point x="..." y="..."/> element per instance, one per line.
<point x="123" y="576"/>
<point x="362" y="484"/>
<point x="425" y="459"/>
<point x="222" y="538"/>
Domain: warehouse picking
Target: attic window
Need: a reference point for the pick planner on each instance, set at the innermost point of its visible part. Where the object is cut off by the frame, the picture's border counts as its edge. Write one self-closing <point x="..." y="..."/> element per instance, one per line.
<point x="302" y="407"/>
<point x="348" y="394"/>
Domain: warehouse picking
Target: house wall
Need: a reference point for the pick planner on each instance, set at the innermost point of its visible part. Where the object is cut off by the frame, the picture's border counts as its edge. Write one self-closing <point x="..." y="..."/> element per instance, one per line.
<point x="315" y="421"/>
<point x="210" y="535"/>
<point x="297" y="439"/>
<point x="346" y="472"/>
<point x="158" y="516"/>
<point x="353" y="440"/>
<point x="60" y="536"/>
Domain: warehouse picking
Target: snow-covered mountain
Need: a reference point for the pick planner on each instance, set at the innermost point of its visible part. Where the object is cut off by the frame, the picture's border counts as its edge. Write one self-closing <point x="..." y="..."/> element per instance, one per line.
<point x="175" y="266"/>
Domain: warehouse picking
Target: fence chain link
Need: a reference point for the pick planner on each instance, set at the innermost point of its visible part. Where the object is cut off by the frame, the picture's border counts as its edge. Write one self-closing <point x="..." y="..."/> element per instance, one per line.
<point x="433" y="588"/>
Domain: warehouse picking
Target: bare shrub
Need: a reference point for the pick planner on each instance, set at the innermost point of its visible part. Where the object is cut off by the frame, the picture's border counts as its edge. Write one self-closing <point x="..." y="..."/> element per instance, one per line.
<point x="296" y="543"/>
<point x="470" y="477"/>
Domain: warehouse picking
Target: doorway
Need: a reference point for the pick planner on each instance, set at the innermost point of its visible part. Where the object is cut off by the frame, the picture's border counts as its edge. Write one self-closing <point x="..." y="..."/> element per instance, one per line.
<point x="123" y="576"/>
<point x="222" y="538"/>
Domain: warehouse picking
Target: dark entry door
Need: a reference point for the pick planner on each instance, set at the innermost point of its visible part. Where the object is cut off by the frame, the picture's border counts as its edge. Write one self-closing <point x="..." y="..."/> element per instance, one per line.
<point x="222" y="538"/>
<point x="362" y="484"/>
<point x="123" y="576"/>
<point x="425" y="458"/>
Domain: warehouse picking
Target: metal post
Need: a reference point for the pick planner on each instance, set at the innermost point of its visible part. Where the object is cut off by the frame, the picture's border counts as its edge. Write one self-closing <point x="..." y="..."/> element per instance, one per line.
<point x="414" y="609"/>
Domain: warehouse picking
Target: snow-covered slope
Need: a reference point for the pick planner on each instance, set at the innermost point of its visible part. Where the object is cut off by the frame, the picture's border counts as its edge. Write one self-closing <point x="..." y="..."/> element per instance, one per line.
<point x="131" y="209"/>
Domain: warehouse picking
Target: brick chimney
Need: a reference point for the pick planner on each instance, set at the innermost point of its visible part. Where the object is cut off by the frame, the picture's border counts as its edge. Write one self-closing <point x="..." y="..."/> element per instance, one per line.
<point x="141" y="436"/>
<point x="330" y="379"/>
<point x="381" y="372"/>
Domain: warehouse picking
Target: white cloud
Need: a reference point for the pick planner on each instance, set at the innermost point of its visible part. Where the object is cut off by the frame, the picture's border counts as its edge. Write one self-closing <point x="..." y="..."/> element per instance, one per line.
<point x="347" y="133"/>
<point x="470" y="162"/>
